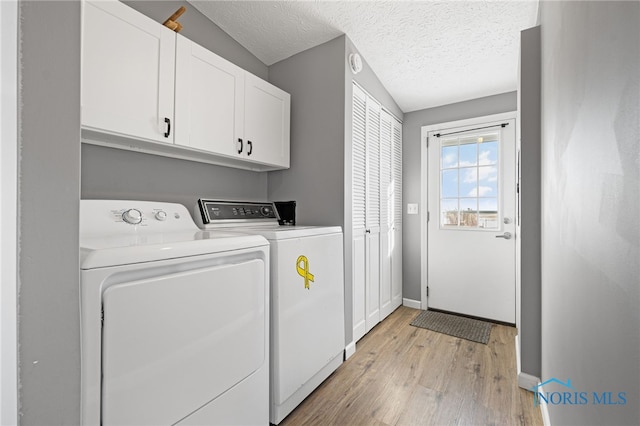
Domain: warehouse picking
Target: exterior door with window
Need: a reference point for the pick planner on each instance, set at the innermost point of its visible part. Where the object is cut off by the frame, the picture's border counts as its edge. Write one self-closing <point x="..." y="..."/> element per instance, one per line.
<point x="471" y="228"/>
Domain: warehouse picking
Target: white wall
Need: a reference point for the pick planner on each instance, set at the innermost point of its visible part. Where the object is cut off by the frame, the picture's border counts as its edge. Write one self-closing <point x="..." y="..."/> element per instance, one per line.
<point x="591" y="203"/>
<point x="8" y="211"/>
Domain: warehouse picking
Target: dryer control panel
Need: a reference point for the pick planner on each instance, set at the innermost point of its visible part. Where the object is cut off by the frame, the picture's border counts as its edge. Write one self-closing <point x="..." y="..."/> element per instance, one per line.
<point x="125" y="217"/>
<point x="213" y="211"/>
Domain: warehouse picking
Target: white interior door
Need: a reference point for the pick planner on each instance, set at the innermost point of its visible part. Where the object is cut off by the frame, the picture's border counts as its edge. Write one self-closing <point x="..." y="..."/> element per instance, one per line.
<point x="386" y="213"/>
<point x="358" y="212"/>
<point x="372" y="237"/>
<point x="471" y="228"/>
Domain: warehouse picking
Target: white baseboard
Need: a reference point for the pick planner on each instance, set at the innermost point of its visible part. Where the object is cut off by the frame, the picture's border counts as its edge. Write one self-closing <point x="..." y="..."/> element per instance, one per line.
<point x="527" y="381"/>
<point x="349" y="350"/>
<point x="518" y="369"/>
<point x="544" y="410"/>
<point x="410" y="303"/>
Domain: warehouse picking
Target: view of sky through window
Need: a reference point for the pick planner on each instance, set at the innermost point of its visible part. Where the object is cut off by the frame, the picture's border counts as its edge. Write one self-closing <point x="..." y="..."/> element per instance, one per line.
<point x="469" y="181"/>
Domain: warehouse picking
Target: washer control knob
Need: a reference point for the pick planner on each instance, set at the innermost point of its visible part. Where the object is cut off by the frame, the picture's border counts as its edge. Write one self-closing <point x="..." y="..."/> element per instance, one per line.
<point x="265" y="210"/>
<point x="161" y="215"/>
<point x="132" y="216"/>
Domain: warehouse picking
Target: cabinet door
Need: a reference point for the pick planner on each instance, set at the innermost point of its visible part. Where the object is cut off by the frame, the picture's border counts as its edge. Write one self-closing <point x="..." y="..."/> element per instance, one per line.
<point x="266" y="122"/>
<point x="209" y="99"/>
<point x="127" y="72"/>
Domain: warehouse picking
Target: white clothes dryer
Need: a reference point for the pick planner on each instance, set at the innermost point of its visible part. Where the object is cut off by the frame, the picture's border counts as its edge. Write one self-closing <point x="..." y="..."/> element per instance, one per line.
<point x="307" y="297"/>
<point x="175" y="321"/>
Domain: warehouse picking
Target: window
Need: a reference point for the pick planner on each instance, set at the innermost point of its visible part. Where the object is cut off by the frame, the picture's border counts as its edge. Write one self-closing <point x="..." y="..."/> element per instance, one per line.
<point x="469" y="181"/>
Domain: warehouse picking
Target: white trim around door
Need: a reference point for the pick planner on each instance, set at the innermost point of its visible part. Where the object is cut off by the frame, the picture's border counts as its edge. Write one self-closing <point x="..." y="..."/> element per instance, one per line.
<point x="8" y="211"/>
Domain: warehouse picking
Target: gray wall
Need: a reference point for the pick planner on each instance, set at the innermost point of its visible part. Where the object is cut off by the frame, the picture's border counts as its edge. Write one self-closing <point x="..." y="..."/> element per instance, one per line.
<point x="320" y="84"/>
<point x="109" y="173"/>
<point x="411" y="154"/>
<point x="591" y="200"/>
<point x="118" y="174"/>
<point x="529" y="98"/>
<point x="49" y="181"/>
<point x="369" y="81"/>
<point x="315" y="80"/>
<point x="198" y="28"/>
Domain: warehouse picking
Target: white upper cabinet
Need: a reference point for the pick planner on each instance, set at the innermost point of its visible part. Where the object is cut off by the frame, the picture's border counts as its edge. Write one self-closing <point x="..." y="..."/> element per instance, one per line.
<point x="131" y="68"/>
<point x="224" y="109"/>
<point x="127" y="72"/>
<point x="209" y="100"/>
<point x="266" y="122"/>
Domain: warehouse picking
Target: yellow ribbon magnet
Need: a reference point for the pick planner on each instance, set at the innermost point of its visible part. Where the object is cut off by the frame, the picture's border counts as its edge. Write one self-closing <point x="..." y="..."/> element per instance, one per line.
<point x="303" y="270"/>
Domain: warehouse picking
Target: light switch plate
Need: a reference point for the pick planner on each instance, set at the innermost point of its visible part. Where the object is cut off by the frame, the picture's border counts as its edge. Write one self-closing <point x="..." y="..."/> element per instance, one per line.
<point x="412" y="208"/>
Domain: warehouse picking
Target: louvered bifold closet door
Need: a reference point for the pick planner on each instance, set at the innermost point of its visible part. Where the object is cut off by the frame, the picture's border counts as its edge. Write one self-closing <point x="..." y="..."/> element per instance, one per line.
<point x="358" y="211"/>
<point x="396" y="234"/>
<point x="386" y="212"/>
<point x="372" y="239"/>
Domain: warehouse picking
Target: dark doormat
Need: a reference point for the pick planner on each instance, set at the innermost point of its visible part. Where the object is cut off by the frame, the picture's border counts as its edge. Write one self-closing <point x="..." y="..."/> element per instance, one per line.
<point x="454" y="325"/>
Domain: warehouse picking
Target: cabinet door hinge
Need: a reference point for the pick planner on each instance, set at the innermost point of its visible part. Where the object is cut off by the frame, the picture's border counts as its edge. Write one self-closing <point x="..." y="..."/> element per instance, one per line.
<point x="427" y="142"/>
<point x="427" y="291"/>
<point x="428" y="216"/>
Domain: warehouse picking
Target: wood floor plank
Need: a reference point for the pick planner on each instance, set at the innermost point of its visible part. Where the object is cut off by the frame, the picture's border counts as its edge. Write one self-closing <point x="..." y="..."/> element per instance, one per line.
<point x="405" y="375"/>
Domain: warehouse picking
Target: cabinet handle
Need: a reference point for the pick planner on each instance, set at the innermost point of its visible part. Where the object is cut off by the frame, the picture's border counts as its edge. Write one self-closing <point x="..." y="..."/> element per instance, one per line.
<point x="250" y="147"/>
<point x="240" y="150"/>
<point x="168" y="132"/>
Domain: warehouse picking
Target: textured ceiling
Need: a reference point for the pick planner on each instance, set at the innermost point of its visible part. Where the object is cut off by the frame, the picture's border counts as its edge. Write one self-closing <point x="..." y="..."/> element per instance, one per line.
<point x="426" y="53"/>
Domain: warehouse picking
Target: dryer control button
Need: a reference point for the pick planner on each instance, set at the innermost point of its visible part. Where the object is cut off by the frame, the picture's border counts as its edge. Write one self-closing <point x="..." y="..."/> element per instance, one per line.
<point x="161" y="215"/>
<point x="132" y="216"/>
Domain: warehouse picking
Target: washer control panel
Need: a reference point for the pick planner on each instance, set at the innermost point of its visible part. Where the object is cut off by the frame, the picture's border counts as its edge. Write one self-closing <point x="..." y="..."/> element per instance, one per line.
<point x="226" y="211"/>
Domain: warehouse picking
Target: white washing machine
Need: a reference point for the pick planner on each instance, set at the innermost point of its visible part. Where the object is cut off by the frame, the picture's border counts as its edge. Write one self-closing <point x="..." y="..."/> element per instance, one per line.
<point x="307" y="297"/>
<point x="175" y="320"/>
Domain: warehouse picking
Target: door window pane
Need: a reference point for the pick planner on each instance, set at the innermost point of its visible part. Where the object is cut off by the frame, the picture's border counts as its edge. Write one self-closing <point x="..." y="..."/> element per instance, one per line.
<point x="469" y="212"/>
<point x="488" y="213"/>
<point x="449" y="212"/>
<point x="468" y="155"/>
<point x="488" y="153"/>
<point x="449" y="157"/>
<point x="449" y="183"/>
<point x="469" y="196"/>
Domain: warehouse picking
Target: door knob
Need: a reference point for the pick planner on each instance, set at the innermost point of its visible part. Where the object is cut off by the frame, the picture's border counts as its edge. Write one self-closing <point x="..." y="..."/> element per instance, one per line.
<point x="506" y="236"/>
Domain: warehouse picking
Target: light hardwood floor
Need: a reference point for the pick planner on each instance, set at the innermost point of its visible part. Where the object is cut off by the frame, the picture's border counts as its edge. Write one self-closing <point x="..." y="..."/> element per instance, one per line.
<point x="405" y="375"/>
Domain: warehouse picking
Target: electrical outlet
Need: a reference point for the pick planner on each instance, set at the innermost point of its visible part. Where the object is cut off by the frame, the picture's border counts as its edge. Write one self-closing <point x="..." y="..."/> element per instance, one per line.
<point x="412" y="208"/>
